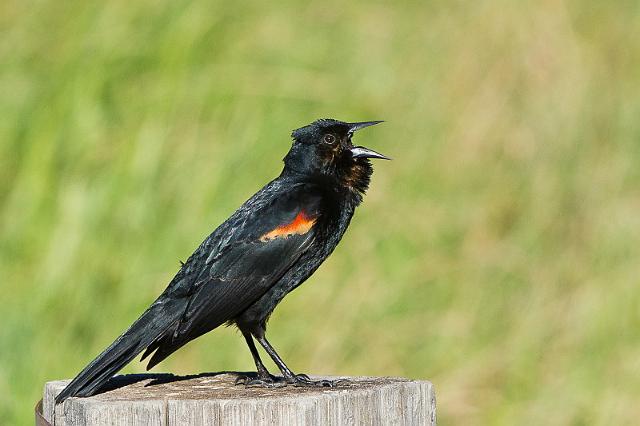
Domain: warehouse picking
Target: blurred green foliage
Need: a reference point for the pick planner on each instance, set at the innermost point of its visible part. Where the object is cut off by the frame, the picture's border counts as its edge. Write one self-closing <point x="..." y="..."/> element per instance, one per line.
<point x="497" y="256"/>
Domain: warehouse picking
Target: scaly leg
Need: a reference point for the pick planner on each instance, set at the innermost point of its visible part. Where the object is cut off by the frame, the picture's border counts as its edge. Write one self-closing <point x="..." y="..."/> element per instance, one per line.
<point x="289" y="376"/>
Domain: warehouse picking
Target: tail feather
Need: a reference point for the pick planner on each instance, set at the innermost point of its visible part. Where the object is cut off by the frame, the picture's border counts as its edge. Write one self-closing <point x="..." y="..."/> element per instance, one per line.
<point x="142" y="333"/>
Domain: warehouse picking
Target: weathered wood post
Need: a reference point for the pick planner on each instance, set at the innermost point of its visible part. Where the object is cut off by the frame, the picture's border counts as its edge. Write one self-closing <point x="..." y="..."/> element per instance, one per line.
<point x="215" y="399"/>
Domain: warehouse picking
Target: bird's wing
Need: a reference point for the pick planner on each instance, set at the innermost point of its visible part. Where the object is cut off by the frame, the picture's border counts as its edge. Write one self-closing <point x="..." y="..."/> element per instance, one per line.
<point x="260" y="250"/>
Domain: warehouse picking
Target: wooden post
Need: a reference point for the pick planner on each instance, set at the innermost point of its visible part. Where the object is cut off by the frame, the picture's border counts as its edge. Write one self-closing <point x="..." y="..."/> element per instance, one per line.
<point x="215" y="399"/>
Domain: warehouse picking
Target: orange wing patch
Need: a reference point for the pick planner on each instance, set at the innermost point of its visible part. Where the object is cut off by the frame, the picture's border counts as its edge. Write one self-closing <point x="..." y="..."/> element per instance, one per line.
<point x="301" y="224"/>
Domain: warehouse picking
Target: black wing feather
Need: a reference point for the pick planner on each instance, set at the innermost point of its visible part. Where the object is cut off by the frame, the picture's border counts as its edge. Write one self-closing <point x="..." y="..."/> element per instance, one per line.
<point x="221" y="299"/>
<point x="241" y="273"/>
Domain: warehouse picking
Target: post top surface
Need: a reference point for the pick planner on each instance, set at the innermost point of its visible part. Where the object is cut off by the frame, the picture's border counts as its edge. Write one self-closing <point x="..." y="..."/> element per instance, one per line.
<point x="222" y="385"/>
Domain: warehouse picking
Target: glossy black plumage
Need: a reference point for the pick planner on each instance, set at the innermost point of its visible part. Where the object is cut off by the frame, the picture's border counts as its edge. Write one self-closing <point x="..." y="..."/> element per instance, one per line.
<point x="268" y="247"/>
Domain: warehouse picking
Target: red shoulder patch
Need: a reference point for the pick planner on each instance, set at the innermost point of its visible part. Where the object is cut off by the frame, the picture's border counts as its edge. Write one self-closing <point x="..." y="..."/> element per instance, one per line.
<point x="301" y="224"/>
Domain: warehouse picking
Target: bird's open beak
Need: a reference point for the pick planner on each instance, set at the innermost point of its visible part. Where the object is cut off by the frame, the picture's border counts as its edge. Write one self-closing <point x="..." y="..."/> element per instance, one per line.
<point x="361" y="151"/>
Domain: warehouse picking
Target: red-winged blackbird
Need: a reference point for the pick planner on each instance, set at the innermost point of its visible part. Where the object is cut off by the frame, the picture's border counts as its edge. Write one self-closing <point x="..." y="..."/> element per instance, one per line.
<point x="268" y="247"/>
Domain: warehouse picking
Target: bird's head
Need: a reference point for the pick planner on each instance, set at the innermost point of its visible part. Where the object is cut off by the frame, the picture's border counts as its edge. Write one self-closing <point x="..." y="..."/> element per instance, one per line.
<point x="324" y="148"/>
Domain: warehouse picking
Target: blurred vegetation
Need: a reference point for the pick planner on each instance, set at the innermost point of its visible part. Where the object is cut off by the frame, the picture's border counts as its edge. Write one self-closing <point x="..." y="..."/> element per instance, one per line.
<point x="496" y="256"/>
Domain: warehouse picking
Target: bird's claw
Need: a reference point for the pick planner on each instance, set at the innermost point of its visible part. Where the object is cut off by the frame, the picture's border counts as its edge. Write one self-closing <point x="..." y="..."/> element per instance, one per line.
<point x="299" y="380"/>
<point x="267" y="381"/>
<point x="304" y="380"/>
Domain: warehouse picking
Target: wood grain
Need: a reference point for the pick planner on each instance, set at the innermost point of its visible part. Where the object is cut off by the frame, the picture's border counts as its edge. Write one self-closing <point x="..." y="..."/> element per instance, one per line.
<point x="215" y="399"/>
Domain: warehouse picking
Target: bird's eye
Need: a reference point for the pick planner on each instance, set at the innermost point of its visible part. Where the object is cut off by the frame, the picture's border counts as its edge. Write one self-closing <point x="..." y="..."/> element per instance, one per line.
<point x="329" y="139"/>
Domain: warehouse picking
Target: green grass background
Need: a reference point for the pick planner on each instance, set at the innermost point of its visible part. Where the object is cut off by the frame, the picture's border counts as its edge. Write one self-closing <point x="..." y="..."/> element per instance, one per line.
<point x="497" y="255"/>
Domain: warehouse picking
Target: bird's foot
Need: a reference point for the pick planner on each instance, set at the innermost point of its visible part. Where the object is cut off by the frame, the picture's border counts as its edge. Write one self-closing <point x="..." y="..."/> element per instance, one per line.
<point x="304" y="380"/>
<point x="261" y="380"/>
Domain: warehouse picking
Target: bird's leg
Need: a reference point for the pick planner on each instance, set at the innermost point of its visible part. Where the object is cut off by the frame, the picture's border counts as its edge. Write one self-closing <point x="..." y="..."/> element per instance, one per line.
<point x="289" y="376"/>
<point x="263" y="373"/>
<point x="263" y="377"/>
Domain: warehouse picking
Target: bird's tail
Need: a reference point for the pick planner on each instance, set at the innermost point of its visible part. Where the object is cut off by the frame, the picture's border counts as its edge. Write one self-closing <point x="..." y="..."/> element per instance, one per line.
<point x="154" y="322"/>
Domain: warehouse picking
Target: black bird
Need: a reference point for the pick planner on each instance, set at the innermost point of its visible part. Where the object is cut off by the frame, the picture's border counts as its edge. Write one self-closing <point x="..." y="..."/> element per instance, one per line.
<point x="268" y="247"/>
